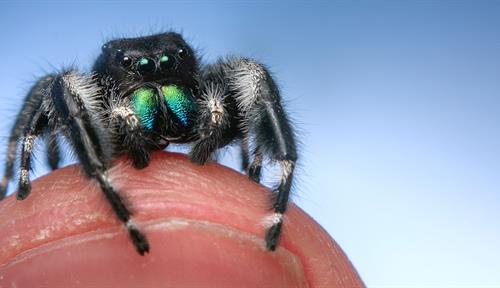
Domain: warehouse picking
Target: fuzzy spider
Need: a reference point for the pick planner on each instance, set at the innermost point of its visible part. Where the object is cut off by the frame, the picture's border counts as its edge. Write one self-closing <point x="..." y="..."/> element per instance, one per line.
<point x="145" y="93"/>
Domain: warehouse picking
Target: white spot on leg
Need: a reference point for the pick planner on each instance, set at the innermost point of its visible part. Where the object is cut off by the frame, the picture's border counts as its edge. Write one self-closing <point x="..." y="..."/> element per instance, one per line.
<point x="217" y="110"/>
<point x="212" y="107"/>
<point x="126" y="114"/>
<point x="24" y="175"/>
<point x="287" y="169"/>
<point x="28" y="143"/>
<point x="131" y="225"/>
<point x="272" y="220"/>
<point x="122" y="112"/>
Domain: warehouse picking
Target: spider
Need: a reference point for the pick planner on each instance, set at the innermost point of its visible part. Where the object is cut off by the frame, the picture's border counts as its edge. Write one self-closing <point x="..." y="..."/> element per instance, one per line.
<point x="145" y="93"/>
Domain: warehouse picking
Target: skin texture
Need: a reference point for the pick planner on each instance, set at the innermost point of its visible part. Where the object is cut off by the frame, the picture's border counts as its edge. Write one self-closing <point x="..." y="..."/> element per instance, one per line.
<point x="205" y="225"/>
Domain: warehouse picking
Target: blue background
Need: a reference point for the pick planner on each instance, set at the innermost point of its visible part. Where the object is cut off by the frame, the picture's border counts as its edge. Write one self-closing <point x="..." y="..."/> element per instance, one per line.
<point x="397" y="103"/>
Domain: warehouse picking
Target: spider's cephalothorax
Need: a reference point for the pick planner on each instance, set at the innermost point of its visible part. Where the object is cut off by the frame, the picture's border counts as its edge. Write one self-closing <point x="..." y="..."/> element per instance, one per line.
<point x="145" y="93"/>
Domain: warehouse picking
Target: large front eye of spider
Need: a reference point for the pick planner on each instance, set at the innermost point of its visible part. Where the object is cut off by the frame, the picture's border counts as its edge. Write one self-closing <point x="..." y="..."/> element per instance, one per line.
<point x="146" y="65"/>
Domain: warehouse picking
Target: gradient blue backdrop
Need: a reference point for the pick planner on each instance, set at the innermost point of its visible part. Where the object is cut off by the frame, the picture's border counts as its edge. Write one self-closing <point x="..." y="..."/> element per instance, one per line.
<point x="398" y="106"/>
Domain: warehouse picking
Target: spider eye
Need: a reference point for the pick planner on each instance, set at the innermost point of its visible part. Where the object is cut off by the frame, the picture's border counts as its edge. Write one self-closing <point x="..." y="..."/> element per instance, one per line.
<point x="182" y="53"/>
<point x="166" y="62"/>
<point x="126" y="61"/>
<point x="163" y="58"/>
<point x="146" y="65"/>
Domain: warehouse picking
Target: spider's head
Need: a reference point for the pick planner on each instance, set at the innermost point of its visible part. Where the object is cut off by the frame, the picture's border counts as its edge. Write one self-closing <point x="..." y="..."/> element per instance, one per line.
<point x="147" y="69"/>
<point x="161" y="58"/>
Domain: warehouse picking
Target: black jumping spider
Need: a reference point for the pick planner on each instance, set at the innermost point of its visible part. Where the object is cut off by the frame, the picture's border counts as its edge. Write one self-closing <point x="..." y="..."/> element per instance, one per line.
<point x="145" y="93"/>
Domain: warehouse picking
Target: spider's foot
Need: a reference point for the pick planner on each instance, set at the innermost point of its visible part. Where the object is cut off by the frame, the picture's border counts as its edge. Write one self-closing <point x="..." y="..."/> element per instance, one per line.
<point x="141" y="160"/>
<point x="24" y="191"/>
<point x="274" y="232"/>
<point x="254" y="172"/>
<point x="200" y="154"/>
<point x="54" y="160"/>
<point x="24" y="187"/>
<point x="140" y="241"/>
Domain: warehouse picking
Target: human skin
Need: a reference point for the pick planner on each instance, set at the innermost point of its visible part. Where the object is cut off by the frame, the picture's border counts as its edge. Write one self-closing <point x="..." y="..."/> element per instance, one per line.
<point x="205" y="225"/>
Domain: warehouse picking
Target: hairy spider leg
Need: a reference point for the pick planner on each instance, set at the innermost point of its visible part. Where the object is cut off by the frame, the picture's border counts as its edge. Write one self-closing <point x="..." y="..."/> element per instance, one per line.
<point x="254" y="169"/>
<point x="53" y="151"/>
<point x="259" y="101"/>
<point x="31" y="104"/>
<point x="33" y="128"/>
<point x="246" y="86"/>
<point x="214" y="121"/>
<point x="128" y="129"/>
<point x="245" y="154"/>
<point x="71" y="97"/>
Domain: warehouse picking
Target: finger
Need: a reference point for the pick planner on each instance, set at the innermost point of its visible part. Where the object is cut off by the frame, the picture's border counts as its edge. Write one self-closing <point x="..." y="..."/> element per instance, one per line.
<point x="205" y="225"/>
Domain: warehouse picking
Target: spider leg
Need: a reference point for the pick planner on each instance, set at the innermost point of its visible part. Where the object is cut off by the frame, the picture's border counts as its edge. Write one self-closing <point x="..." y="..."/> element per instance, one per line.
<point x="245" y="154"/>
<point x="73" y="96"/>
<point x="32" y="103"/>
<point x="125" y="122"/>
<point x="33" y="128"/>
<point x="259" y="103"/>
<point x="214" y="122"/>
<point x="251" y="104"/>
<point x="53" y="151"/>
<point x="254" y="169"/>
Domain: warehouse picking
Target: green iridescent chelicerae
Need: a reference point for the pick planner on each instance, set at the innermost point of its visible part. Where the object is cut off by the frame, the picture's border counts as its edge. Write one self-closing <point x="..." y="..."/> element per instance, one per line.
<point x="145" y="106"/>
<point x="178" y="100"/>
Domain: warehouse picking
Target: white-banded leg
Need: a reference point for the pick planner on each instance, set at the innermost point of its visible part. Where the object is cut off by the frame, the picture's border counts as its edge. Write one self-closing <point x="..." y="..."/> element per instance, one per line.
<point x="213" y="121"/>
<point x="123" y="121"/>
<point x="34" y="127"/>
<point x="259" y="103"/>
<point x="75" y="100"/>
<point x="32" y="104"/>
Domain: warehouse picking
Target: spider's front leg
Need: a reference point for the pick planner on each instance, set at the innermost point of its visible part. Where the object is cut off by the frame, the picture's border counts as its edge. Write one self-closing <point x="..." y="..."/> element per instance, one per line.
<point x="252" y="109"/>
<point x="128" y="131"/>
<point x="75" y="101"/>
<point x="214" y="123"/>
